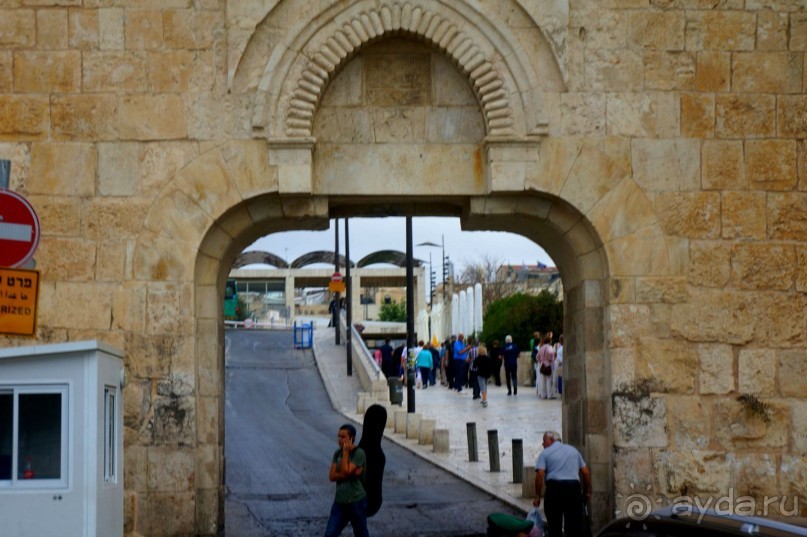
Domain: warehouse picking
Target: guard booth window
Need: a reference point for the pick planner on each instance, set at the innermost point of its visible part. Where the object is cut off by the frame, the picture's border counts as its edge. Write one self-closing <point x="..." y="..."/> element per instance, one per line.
<point x="33" y="434"/>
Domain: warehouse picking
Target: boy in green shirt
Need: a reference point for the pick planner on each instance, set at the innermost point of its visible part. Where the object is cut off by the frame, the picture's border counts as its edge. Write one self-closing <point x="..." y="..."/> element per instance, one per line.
<point x="350" y="504"/>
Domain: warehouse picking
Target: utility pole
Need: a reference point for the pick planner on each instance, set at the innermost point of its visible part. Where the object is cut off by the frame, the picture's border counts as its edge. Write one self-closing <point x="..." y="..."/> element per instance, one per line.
<point x="410" y="321"/>
<point x="336" y="305"/>
<point x="348" y="302"/>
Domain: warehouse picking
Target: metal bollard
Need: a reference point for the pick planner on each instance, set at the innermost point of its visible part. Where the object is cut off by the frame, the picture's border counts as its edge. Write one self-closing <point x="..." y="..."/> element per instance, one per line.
<point x="473" y="453"/>
<point x="493" y="450"/>
<point x="518" y="460"/>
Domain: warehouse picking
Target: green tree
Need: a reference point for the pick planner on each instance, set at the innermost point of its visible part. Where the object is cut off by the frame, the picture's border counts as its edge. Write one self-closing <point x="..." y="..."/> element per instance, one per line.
<point x="393" y="312"/>
<point x="520" y="315"/>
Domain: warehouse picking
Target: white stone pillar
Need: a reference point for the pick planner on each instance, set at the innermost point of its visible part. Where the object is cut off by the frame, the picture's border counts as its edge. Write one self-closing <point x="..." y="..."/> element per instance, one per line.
<point x="455" y="314"/>
<point x="463" y="306"/>
<point x="469" y="292"/>
<point x="478" y="307"/>
<point x="289" y="299"/>
<point x="357" y="309"/>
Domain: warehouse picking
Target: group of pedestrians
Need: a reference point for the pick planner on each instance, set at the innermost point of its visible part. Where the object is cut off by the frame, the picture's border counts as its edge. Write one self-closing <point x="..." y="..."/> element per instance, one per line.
<point x="548" y="362"/>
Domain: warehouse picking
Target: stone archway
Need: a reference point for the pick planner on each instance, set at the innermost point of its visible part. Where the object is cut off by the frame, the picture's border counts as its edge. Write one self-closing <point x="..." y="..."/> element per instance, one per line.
<point x="563" y="194"/>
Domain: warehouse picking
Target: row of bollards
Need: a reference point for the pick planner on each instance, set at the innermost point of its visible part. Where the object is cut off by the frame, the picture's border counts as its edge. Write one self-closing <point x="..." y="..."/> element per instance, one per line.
<point x="493" y="451"/>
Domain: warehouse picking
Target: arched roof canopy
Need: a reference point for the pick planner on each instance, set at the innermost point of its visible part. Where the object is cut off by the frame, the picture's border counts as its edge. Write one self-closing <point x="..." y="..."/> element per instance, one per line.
<point x="319" y="256"/>
<point x="392" y="257"/>
<point x="257" y="257"/>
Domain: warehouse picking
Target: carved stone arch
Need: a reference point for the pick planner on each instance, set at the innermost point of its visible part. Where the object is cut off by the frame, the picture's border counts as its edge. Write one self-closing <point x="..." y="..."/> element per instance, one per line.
<point x="506" y="80"/>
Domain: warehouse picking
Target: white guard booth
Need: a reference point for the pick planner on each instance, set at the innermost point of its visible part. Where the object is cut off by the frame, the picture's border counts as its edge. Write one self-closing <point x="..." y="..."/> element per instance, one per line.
<point x="61" y="440"/>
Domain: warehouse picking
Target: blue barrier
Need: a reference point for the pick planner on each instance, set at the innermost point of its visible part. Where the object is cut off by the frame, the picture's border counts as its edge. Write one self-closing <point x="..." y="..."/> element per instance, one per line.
<point x="303" y="335"/>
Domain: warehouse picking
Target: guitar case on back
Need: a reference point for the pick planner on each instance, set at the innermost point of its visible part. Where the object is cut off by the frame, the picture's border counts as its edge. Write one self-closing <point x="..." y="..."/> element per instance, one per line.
<point x="375" y="419"/>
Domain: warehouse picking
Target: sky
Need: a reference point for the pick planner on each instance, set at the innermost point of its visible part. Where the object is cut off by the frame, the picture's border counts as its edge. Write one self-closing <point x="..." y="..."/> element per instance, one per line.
<point x="368" y="235"/>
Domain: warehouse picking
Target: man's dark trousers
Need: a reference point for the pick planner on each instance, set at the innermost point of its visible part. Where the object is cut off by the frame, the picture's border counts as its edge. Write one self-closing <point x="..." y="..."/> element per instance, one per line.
<point x="563" y="506"/>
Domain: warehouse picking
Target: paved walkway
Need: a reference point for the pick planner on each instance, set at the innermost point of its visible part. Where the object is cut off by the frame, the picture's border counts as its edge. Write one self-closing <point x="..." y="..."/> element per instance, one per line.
<point x="523" y="416"/>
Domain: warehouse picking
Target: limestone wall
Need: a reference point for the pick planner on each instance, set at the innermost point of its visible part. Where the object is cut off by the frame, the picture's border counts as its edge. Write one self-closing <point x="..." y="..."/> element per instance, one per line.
<point x="655" y="148"/>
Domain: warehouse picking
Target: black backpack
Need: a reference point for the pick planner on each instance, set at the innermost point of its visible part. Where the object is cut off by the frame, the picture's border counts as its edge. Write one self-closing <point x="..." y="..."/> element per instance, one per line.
<point x="375" y="419"/>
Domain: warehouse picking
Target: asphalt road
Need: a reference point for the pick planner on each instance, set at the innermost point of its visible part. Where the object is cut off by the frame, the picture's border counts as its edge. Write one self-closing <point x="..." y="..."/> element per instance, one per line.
<point x="280" y="435"/>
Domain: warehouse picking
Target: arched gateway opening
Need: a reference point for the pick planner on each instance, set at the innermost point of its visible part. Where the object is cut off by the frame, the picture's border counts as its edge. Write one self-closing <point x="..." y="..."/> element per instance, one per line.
<point x="413" y="108"/>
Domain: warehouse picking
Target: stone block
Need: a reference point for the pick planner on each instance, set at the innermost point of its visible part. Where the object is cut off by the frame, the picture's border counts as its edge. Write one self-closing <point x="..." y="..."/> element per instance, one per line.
<point x="661" y="30"/>
<point x="66" y="169"/>
<point x="745" y="116"/>
<point x="794" y="477"/>
<point x="346" y="89"/>
<point x="792" y="115"/>
<point x="60" y="216"/>
<point x="686" y="432"/>
<point x="743" y="215"/>
<point x="114" y="218"/>
<point x="720" y="30"/>
<point x="801" y="268"/>
<point x="628" y="321"/>
<point x="118" y="169"/>
<point x="737" y="427"/>
<point x="799" y="427"/>
<point x="24" y="117"/>
<point x="66" y="259"/>
<point x="671" y="363"/>
<point x="798" y="31"/>
<point x="723" y="165"/>
<point x="166" y="513"/>
<point x="51" y="29"/>
<point x="665" y="290"/>
<point x="528" y="482"/>
<point x="151" y="117"/>
<point x="755" y="476"/>
<point x="714" y="316"/>
<point x="398" y="80"/>
<point x="694" y="215"/>
<point x="766" y="72"/>
<point x="666" y="165"/>
<point x="348" y="125"/>
<point x="582" y="114"/>
<point x="441" y="441"/>
<point x="689" y="472"/>
<point x="643" y="115"/>
<point x="716" y="369"/>
<point x="614" y="70"/>
<point x="57" y="305"/>
<point x="144" y="29"/>
<point x="172" y="71"/>
<point x="772" y="164"/>
<point x="111" y="28"/>
<point x="361" y="402"/>
<point x="601" y="29"/>
<point x="697" y="115"/>
<point x="792" y="373"/>
<point x="713" y="71"/>
<point x="161" y="161"/>
<point x="763" y="266"/>
<point x="17" y="28"/>
<point x="779" y="323"/>
<point x="786" y="216"/>
<point x="412" y="425"/>
<point x="6" y="70"/>
<point x="114" y="72"/>
<point x="192" y="29"/>
<point x="772" y="31"/>
<point x="82" y="29"/>
<point x="426" y="430"/>
<point x="84" y="117"/>
<point x="639" y="420"/>
<point x="665" y="70"/>
<point x="170" y="469"/>
<point x="47" y="72"/>
<point x="756" y="371"/>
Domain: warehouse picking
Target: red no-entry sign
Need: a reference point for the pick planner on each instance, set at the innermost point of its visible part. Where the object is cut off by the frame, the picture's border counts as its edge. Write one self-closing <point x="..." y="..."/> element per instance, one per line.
<point x="19" y="229"/>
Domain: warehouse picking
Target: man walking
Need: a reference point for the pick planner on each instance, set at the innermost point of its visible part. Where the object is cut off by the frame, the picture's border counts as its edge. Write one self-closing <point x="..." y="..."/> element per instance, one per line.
<point x="386" y="359"/>
<point x="511" y="353"/>
<point x="350" y="504"/>
<point x="561" y="466"/>
<point x="459" y="356"/>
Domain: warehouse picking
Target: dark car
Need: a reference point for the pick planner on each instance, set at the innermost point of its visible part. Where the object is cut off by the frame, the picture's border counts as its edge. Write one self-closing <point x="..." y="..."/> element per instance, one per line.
<point x="690" y="521"/>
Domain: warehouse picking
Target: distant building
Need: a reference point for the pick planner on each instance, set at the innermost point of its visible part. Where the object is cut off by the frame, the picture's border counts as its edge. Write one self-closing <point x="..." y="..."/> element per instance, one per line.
<point x="532" y="279"/>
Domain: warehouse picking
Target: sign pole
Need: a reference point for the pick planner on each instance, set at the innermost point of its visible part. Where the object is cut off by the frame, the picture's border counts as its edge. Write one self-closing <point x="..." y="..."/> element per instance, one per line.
<point x="5" y="172"/>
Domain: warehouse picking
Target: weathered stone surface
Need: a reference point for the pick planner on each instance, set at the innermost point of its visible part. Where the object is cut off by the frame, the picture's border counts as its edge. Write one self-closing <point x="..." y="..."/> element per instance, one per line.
<point x="787" y="216"/>
<point x="772" y="163"/>
<point x="717" y="316"/>
<point x="794" y="477"/>
<point x="113" y="218"/>
<point x="639" y="420"/>
<point x="689" y="472"/>
<point x="723" y="165"/>
<point x="693" y="215"/>
<point x="665" y="290"/>
<point x="151" y="117"/>
<point x="144" y="29"/>
<point x="192" y="29"/>
<point x="178" y="71"/>
<point x="755" y="476"/>
<point x="65" y="259"/>
<point x="799" y="428"/>
<point x="666" y="165"/>
<point x="743" y="215"/>
<point x="47" y="72"/>
<point x="671" y="364"/>
<point x="792" y="115"/>
<point x="84" y="117"/>
<point x="166" y="513"/>
<point x="713" y="71"/>
<point x="662" y="30"/>
<point x="745" y="116"/>
<point x="689" y="421"/>
<point x="161" y="161"/>
<point x="716" y="369"/>
<point x="767" y="72"/>
<point x="6" y="70"/>
<point x="114" y="72"/>
<point x="51" y="29"/>
<point x="772" y="31"/>
<point x="57" y="305"/>
<point x="763" y="266"/>
<point x="793" y="374"/>
<point x="801" y="268"/>
<point x="626" y="197"/>
<point x="63" y="169"/>
<point x="17" y="28"/>
<point x="171" y="470"/>
<point x="83" y="29"/>
<point x="756" y="371"/>
<point x="111" y="28"/>
<point x="59" y="216"/>
<point x="614" y="70"/>
<point x="118" y="169"/>
<point x="780" y="321"/>
<point x="650" y="115"/>
<point x="23" y="117"/>
<point x="582" y="114"/>
<point x="738" y="426"/>
<point x="798" y="31"/>
<point x="697" y="115"/>
<point x="669" y="70"/>
<point x="720" y="30"/>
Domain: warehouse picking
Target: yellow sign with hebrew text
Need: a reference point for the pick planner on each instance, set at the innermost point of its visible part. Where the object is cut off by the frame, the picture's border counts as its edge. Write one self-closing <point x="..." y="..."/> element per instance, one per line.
<point x="19" y="298"/>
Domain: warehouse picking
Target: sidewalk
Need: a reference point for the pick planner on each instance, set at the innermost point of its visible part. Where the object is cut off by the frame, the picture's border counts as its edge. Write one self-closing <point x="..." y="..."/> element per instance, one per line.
<point x="522" y="417"/>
